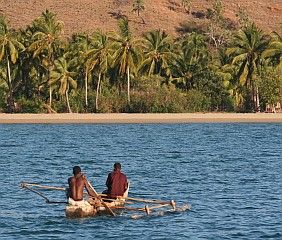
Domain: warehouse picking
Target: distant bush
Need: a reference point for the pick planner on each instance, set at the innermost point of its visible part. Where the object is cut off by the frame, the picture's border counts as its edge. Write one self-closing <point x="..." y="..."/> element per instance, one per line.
<point x="191" y="26"/>
<point x="197" y="101"/>
<point x="23" y="105"/>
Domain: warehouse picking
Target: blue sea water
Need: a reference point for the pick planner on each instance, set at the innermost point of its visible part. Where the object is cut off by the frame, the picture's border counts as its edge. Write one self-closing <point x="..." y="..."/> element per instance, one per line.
<point x="231" y="174"/>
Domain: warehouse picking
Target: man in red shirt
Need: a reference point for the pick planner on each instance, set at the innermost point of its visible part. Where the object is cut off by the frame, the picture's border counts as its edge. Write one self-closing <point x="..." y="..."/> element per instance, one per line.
<point x="116" y="182"/>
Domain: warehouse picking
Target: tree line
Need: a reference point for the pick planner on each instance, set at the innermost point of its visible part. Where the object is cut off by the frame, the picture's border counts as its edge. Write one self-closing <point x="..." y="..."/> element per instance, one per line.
<point x="215" y="70"/>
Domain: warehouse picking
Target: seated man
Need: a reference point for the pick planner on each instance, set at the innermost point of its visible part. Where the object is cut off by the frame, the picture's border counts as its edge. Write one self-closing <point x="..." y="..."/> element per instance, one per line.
<point x="116" y="182"/>
<point x="77" y="184"/>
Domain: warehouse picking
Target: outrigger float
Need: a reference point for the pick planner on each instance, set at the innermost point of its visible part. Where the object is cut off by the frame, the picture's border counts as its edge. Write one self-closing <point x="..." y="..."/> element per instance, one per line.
<point x="111" y="207"/>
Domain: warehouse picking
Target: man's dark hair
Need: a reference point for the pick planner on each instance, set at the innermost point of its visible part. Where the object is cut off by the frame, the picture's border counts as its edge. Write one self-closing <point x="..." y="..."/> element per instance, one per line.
<point x="76" y="170"/>
<point x="117" y="166"/>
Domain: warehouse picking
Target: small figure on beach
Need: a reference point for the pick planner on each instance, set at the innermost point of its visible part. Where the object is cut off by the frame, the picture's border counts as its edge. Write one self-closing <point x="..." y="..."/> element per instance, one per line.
<point x="116" y="182"/>
<point x="77" y="184"/>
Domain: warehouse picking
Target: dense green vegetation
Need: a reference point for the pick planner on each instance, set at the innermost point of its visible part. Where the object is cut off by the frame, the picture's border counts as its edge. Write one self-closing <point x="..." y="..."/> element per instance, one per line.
<point x="217" y="69"/>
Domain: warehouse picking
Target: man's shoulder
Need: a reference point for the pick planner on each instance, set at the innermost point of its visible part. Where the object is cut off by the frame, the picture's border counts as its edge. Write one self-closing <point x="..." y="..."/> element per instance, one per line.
<point x="71" y="180"/>
<point x="81" y="179"/>
<point x="115" y="173"/>
<point x="119" y="172"/>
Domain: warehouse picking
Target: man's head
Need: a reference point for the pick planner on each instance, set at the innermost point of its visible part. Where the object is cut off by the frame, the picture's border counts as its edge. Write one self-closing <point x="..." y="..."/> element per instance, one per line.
<point x="117" y="166"/>
<point x="76" y="170"/>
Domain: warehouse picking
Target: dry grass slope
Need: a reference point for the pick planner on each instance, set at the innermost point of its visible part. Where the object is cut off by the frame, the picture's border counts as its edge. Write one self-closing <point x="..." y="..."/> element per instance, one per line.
<point x="90" y="15"/>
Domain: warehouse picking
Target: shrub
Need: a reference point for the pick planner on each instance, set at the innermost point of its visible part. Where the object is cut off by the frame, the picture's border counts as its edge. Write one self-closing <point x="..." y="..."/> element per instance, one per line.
<point x="197" y="101"/>
<point x="23" y="105"/>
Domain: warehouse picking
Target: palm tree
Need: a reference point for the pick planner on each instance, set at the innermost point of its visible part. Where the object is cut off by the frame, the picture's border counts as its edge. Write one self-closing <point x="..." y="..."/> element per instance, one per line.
<point x="80" y="45"/>
<point x="157" y="49"/>
<point x="9" y="46"/>
<point x="246" y="50"/>
<point x="192" y="59"/>
<point x="228" y="71"/>
<point x="138" y="6"/>
<point x="46" y="37"/>
<point x="63" y="73"/>
<point x="127" y="51"/>
<point x="26" y="64"/>
<point x="274" y="50"/>
<point x="3" y="84"/>
<point x="99" y="56"/>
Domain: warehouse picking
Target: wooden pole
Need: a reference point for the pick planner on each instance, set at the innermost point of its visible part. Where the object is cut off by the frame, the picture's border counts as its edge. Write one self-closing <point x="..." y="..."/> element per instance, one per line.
<point x="40" y="194"/>
<point x="40" y="186"/>
<point x="160" y="206"/>
<point x="129" y="198"/>
<point x="116" y="200"/>
<point x="103" y="203"/>
<point x="140" y="209"/>
<point x="46" y="187"/>
<point x="146" y="200"/>
<point x="129" y="208"/>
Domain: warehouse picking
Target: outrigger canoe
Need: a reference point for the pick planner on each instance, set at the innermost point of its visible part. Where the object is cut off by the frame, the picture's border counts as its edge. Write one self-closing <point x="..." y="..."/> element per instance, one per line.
<point x="110" y="206"/>
<point x="96" y="208"/>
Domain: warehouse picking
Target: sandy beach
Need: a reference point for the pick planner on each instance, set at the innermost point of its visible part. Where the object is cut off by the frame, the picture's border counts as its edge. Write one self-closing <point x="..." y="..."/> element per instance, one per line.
<point x="140" y="118"/>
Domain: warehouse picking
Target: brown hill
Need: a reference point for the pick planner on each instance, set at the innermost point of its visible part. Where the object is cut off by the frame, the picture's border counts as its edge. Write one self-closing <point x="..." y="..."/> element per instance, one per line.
<point x="169" y="15"/>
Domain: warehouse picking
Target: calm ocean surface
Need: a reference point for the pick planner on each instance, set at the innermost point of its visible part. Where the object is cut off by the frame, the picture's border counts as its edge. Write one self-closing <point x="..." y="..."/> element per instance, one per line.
<point x="231" y="174"/>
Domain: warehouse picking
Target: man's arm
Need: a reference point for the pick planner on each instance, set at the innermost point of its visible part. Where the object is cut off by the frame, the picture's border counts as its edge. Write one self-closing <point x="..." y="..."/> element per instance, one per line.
<point x="90" y="192"/>
<point x="125" y="183"/>
<point x="109" y="182"/>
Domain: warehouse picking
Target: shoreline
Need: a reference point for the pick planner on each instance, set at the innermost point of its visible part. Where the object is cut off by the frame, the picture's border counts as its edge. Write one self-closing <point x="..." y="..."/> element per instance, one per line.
<point x="123" y="118"/>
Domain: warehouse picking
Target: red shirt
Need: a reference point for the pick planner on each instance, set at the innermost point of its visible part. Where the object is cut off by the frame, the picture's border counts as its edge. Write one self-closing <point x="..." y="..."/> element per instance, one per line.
<point x="116" y="183"/>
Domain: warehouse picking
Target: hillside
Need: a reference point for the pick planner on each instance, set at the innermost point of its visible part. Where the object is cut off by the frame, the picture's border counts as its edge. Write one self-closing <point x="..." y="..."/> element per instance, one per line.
<point x="169" y="15"/>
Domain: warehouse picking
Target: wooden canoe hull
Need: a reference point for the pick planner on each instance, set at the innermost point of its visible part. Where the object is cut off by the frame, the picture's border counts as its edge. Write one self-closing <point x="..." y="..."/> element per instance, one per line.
<point x="80" y="211"/>
<point x="90" y="211"/>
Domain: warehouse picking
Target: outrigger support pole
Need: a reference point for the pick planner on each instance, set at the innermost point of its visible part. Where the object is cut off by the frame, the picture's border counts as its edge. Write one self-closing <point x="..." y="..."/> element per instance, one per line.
<point x="41" y="195"/>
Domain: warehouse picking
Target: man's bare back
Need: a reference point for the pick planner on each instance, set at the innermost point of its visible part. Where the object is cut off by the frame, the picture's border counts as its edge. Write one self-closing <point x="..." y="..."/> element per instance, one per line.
<point x="76" y="187"/>
<point x="77" y="184"/>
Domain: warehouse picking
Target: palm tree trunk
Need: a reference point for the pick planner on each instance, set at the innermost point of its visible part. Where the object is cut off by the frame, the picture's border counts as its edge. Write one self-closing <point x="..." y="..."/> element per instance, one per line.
<point x="254" y="97"/>
<point x="68" y="102"/>
<point x="50" y="96"/>
<point x="38" y="80"/>
<point x="86" y="89"/>
<point x="249" y="97"/>
<point x="128" y="85"/>
<point x="10" y="84"/>
<point x="257" y="100"/>
<point x="97" y="91"/>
